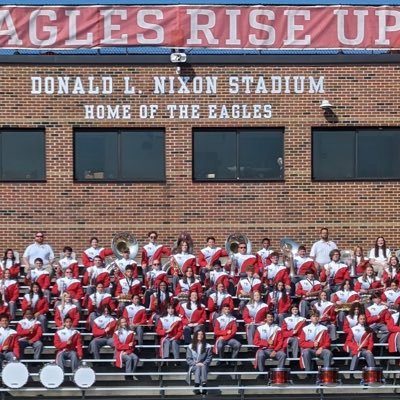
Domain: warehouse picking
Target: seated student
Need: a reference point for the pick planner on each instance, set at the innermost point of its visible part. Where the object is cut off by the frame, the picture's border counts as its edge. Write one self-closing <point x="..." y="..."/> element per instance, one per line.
<point x="67" y="261"/>
<point x="254" y="314"/>
<point x="278" y="302"/>
<point x="127" y="287"/>
<point x="68" y="284"/>
<point x="217" y="300"/>
<point x="188" y="283"/>
<point x="10" y="289"/>
<point x="376" y="317"/>
<point x="10" y="262"/>
<point x="247" y="285"/>
<point x="136" y="316"/>
<point x="308" y="290"/>
<point x="103" y="330"/>
<point x="95" y="303"/>
<point x="393" y="325"/>
<point x="93" y="251"/>
<point x="225" y="328"/>
<point x="327" y="314"/>
<point x="159" y="301"/>
<point x="269" y="340"/>
<point x="68" y="344"/>
<point x="124" y="262"/>
<point x="360" y="343"/>
<point x="95" y="275"/>
<point x="124" y="343"/>
<point x="291" y="327"/>
<point x="64" y="309"/>
<point x="30" y="334"/>
<point x="193" y="316"/>
<point x="335" y="272"/>
<point x="41" y="276"/>
<point x="37" y="303"/>
<point x="199" y="357"/>
<point x="351" y="319"/>
<point x="153" y="251"/>
<point x="9" y="346"/>
<point x="314" y="342"/>
<point x="170" y="330"/>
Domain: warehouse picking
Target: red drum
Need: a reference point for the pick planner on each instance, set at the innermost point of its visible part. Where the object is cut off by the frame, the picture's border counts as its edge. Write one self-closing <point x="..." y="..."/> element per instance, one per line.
<point x="373" y="376"/>
<point x="280" y="376"/>
<point x="329" y="376"/>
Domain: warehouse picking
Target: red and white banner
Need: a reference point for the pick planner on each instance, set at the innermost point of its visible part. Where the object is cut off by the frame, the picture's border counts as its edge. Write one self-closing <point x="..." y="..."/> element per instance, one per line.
<point x="219" y="27"/>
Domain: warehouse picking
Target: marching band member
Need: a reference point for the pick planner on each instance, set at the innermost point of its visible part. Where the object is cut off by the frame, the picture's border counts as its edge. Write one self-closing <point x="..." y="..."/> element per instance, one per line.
<point x="127" y="287"/>
<point x="379" y="254"/>
<point x="320" y="251"/>
<point x="263" y="254"/>
<point x="219" y="275"/>
<point x="170" y="329"/>
<point x="181" y="261"/>
<point x="207" y="257"/>
<point x="10" y="262"/>
<point x="152" y="280"/>
<point x="393" y="325"/>
<point x="268" y="338"/>
<point x="103" y="329"/>
<point x="225" y="328"/>
<point x="360" y="343"/>
<point x="247" y="285"/>
<point x="376" y="317"/>
<point x="4" y="307"/>
<point x="300" y="259"/>
<point x="327" y="314"/>
<point x="193" y="316"/>
<point x="314" y="342"/>
<point x="10" y="292"/>
<point x="199" y="357"/>
<point x="66" y="308"/>
<point x="352" y="317"/>
<point x="274" y="273"/>
<point x="188" y="283"/>
<point x="68" y="284"/>
<point x="123" y="263"/>
<point x="391" y="296"/>
<point x="217" y="300"/>
<point x="240" y="261"/>
<point x="30" y="333"/>
<point x="359" y="260"/>
<point x="124" y="343"/>
<point x="335" y="272"/>
<point x="254" y="314"/>
<point x="153" y="251"/>
<point x="307" y="289"/>
<point x="67" y="261"/>
<point x="40" y="276"/>
<point x="9" y="346"/>
<point x="344" y="296"/>
<point x="41" y="250"/>
<point x="391" y="271"/>
<point x="37" y="303"/>
<point x="291" y="328"/>
<point x="95" y="303"/>
<point x="367" y="281"/>
<point x="278" y="302"/>
<point x="68" y="344"/>
<point x="136" y="316"/>
<point x="96" y="274"/>
<point x="93" y="251"/>
<point x="160" y="300"/>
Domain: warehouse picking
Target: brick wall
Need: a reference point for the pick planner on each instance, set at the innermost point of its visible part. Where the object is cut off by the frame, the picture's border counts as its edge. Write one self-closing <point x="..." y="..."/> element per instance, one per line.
<point x="355" y="212"/>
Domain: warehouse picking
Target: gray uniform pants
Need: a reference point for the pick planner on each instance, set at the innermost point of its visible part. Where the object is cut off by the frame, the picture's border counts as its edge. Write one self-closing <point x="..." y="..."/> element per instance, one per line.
<point x="200" y="373"/>
<point x="309" y="354"/>
<point x="97" y="343"/>
<point x="263" y="354"/>
<point x="130" y="361"/>
<point x="68" y="355"/>
<point x="233" y="343"/>
<point x="369" y="358"/>
<point x="37" y="348"/>
<point x="169" y="345"/>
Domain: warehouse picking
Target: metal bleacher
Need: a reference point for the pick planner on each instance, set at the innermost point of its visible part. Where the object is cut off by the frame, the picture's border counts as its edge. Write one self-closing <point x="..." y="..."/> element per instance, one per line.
<point x="233" y="378"/>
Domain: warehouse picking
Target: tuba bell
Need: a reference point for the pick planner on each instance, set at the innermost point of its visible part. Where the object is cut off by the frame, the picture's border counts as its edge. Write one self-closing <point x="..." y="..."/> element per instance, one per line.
<point x="289" y="249"/>
<point x="232" y="243"/>
<point x="119" y="244"/>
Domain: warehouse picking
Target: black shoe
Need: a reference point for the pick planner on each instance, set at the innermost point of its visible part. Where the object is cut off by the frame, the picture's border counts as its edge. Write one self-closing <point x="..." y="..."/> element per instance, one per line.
<point x="203" y="391"/>
<point x="196" y="391"/>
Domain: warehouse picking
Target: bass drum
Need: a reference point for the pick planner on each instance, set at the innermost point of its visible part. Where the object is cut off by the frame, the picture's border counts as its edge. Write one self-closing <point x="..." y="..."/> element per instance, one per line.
<point x="51" y="376"/>
<point x="280" y="376"/>
<point x="329" y="376"/>
<point x="84" y="377"/>
<point x="373" y="376"/>
<point x="15" y="375"/>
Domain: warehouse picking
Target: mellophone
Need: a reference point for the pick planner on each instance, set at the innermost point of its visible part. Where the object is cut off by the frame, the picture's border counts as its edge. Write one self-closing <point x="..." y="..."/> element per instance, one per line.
<point x="15" y="375"/>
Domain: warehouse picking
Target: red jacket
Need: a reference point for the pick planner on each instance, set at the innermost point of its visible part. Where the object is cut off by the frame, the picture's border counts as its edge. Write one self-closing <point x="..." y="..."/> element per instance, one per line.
<point x="159" y="251"/>
<point x="282" y="306"/>
<point x="29" y="332"/>
<point x="41" y="306"/>
<point x="61" y="344"/>
<point x="73" y="313"/>
<point x="99" y="328"/>
<point x="392" y="323"/>
<point x="43" y="279"/>
<point x="136" y="315"/>
<point x="89" y="254"/>
<point x="10" y="343"/>
<point x="205" y="254"/>
<point x="366" y="342"/>
<point x="198" y="316"/>
<point x="134" y="288"/>
<point x="261" y="339"/>
<point x="260" y="313"/>
<point x="126" y="346"/>
<point x="102" y="277"/>
<point x="11" y="291"/>
<point x="73" y="287"/>
<point x="225" y="333"/>
<point x="212" y="305"/>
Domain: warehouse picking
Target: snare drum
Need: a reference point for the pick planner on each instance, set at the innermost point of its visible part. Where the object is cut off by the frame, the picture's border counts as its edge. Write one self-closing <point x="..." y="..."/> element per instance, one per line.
<point x="51" y="376"/>
<point x="280" y="376"/>
<point x="84" y="377"/>
<point x="329" y="376"/>
<point x="372" y="376"/>
<point x="15" y="375"/>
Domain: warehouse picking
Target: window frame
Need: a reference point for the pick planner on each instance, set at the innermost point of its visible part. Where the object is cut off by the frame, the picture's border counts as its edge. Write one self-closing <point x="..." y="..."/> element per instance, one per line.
<point x="35" y="130"/>
<point x="116" y="131"/>
<point x="355" y="131"/>
<point x="237" y="131"/>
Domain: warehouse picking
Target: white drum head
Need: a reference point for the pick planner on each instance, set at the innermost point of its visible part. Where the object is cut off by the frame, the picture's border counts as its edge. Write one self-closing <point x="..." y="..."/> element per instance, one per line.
<point x="84" y="377"/>
<point x="15" y="375"/>
<point x="51" y="376"/>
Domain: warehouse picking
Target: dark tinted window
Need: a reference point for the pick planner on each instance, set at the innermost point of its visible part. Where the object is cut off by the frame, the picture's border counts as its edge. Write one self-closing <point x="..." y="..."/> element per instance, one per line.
<point x="242" y="154"/>
<point x="126" y="155"/>
<point x="356" y="154"/>
<point x="22" y="155"/>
